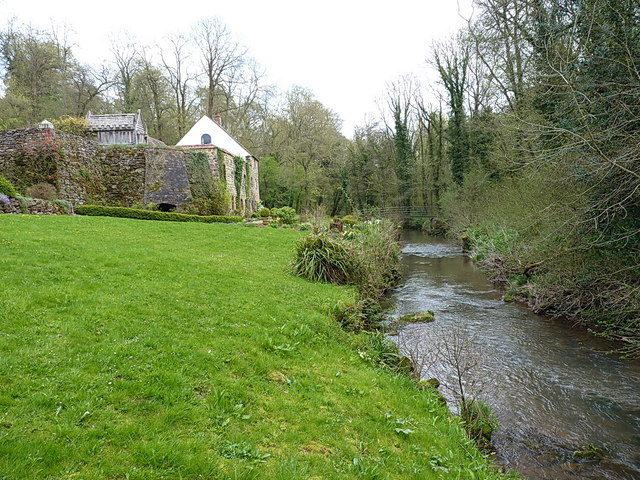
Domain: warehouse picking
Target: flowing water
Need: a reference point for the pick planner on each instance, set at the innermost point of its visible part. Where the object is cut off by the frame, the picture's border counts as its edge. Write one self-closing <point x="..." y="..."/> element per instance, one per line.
<point x="551" y="386"/>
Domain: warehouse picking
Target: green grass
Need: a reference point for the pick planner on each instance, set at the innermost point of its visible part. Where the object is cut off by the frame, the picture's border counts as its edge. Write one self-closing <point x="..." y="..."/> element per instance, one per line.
<point x="146" y="350"/>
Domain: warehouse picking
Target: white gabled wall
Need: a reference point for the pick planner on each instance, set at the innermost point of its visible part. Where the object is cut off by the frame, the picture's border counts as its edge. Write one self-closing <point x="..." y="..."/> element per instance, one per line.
<point x="219" y="137"/>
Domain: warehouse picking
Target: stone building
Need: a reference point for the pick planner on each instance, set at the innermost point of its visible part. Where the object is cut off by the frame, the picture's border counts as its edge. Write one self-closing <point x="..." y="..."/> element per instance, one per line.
<point x="222" y="150"/>
<point x="128" y="175"/>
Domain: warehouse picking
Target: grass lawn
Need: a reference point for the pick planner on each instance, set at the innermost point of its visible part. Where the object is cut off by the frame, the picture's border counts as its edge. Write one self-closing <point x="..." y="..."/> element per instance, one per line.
<point x="135" y="349"/>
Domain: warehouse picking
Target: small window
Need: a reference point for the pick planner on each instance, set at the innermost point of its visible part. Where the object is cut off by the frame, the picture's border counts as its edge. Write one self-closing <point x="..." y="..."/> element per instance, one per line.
<point x="206" y="139"/>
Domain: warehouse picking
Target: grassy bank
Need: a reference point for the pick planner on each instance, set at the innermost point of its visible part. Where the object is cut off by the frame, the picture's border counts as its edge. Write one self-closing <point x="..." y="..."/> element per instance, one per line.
<point x="140" y="350"/>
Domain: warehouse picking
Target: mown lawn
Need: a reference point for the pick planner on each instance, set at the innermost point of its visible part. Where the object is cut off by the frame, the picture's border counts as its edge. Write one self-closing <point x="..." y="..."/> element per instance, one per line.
<point x="141" y="350"/>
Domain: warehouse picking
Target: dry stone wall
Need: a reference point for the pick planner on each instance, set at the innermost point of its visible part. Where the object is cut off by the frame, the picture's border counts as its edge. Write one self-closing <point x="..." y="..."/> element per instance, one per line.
<point x="123" y="176"/>
<point x="34" y="206"/>
<point x="35" y="155"/>
<point x="78" y="167"/>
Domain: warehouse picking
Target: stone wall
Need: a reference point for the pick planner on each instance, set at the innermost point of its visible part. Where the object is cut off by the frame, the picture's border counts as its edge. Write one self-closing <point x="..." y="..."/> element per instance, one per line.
<point x="35" y="206"/>
<point x="167" y="178"/>
<point x="78" y="168"/>
<point x="15" y="162"/>
<point x="254" y="183"/>
<point x="11" y="142"/>
<point x="245" y="204"/>
<point x="123" y="176"/>
<point x="66" y="159"/>
<point x="84" y="172"/>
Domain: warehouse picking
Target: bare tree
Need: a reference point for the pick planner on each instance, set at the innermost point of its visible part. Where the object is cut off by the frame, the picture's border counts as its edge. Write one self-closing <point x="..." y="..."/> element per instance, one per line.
<point x="125" y="53"/>
<point x="154" y="91"/>
<point x="181" y="78"/>
<point x="454" y="359"/>
<point x="221" y="59"/>
<point x="89" y="85"/>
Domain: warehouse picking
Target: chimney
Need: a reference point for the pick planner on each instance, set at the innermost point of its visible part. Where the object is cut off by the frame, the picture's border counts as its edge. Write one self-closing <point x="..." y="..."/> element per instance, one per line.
<point x="217" y="118"/>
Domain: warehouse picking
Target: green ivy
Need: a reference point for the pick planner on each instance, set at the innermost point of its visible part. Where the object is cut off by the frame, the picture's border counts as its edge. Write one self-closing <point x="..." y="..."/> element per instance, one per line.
<point x="247" y="185"/>
<point x="239" y="164"/>
<point x="200" y="176"/>
<point x="221" y="169"/>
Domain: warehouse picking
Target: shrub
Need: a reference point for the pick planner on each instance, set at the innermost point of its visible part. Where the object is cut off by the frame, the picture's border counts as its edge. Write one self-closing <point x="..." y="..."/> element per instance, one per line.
<point x="381" y="351"/>
<point x="323" y="258"/>
<point x="377" y="252"/>
<point x="265" y="212"/>
<point x="7" y="187"/>
<point x="286" y="215"/>
<point x="215" y="203"/>
<point x="73" y="125"/>
<point x="349" y="220"/>
<point x="43" y="190"/>
<point x="349" y="315"/>
<point x="367" y="257"/>
<point x="122" y="212"/>
<point x="66" y="206"/>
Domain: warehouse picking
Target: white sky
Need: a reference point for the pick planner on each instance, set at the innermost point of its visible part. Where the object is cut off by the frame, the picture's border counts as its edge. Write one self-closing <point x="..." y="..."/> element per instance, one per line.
<point x="345" y="51"/>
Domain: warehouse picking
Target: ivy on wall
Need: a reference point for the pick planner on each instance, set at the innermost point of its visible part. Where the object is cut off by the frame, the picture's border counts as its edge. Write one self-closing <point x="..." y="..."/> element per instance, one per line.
<point x="200" y="176"/>
<point x="91" y="179"/>
<point x="221" y="170"/>
<point x="210" y="197"/>
<point x="247" y="185"/>
<point x="239" y="171"/>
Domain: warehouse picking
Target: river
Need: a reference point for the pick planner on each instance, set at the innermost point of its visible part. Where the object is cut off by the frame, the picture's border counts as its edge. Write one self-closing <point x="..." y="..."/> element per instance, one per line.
<point x="551" y="385"/>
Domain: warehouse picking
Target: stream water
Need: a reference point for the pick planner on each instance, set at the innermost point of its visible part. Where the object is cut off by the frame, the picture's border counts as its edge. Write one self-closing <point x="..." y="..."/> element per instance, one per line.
<point x="552" y="387"/>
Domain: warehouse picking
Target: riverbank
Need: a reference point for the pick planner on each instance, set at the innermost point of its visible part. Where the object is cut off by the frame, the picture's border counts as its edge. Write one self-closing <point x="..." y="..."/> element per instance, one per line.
<point x="596" y="287"/>
<point x="565" y="408"/>
<point x="145" y="350"/>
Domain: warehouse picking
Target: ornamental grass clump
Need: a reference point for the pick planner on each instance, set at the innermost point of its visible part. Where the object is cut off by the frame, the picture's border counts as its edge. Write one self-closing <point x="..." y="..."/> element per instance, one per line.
<point x="366" y="256"/>
<point x="323" y="258"/>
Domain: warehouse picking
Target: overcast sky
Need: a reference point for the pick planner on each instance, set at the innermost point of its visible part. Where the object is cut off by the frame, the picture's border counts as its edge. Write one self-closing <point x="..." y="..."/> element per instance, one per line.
<point x="345" y="51"/>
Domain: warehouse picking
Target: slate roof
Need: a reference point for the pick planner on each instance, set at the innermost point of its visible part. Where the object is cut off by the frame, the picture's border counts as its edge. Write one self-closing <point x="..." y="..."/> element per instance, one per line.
<point x="115" y="121"/>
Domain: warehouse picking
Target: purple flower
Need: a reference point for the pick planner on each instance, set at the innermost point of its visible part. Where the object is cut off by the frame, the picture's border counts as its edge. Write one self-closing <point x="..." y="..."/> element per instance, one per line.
<point x="4" y="199"/>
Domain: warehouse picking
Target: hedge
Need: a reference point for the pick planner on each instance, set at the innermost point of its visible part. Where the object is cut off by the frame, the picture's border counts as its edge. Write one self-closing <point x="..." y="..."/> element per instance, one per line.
<point x="123" y="212"/>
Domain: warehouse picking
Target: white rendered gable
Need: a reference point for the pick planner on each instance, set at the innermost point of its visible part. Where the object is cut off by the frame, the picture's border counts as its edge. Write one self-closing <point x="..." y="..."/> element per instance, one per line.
<point x="219" y="137"/>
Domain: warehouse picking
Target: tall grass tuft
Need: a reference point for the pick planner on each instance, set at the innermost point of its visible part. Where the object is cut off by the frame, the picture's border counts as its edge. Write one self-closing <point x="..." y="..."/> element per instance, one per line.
<point x="376" y="251"/>
<point x="366" y="256"/>
<point x="323" y="258"/>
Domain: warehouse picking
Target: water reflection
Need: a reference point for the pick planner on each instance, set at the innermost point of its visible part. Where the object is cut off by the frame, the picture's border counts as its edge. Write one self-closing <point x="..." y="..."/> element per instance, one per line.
<point x="550" y="384"/>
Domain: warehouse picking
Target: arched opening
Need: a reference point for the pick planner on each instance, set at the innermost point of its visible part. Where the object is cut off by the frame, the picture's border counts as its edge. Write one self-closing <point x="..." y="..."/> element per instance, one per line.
<point x="166" y="207"/>
<point x="205" y="139"/>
